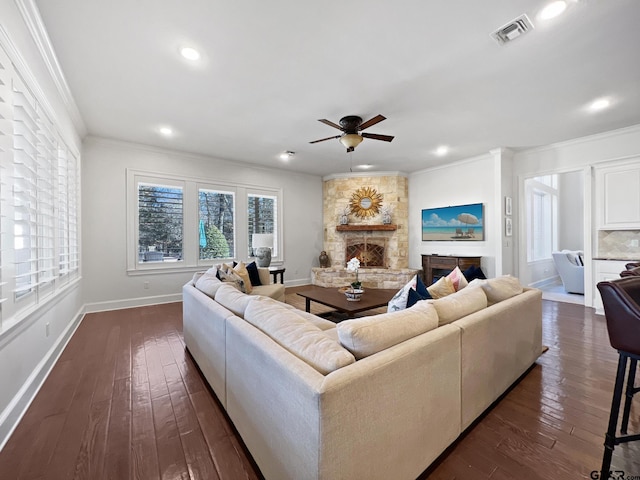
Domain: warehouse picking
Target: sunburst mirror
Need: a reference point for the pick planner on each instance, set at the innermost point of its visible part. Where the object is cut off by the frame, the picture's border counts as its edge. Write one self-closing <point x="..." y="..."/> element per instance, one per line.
<point x="365" y="202"/>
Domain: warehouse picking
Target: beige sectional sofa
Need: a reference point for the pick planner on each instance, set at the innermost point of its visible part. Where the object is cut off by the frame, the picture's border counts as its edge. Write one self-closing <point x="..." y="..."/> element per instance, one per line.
<point x="376" y="397"/>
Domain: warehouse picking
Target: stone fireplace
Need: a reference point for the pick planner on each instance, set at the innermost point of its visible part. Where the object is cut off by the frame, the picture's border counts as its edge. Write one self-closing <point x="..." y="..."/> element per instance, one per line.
<point x="381" y="249"/>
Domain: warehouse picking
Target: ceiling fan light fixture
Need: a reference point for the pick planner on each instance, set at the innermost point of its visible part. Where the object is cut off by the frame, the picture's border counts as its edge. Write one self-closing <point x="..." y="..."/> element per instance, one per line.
<point x="350" y="140"/>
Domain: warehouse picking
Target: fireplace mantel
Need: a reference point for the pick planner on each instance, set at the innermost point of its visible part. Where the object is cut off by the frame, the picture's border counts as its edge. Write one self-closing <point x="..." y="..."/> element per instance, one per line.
<point x="366" y="228"/>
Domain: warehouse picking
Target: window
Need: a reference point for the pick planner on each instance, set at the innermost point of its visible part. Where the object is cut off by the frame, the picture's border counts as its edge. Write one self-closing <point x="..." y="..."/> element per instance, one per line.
<point x="160" y="223"/>
<point x="262" y="218"/>
<point x="38" y="202"/>
<point x="216" y="228"/>
<point x="177" y="222"/>
<point x="542" y="228"/>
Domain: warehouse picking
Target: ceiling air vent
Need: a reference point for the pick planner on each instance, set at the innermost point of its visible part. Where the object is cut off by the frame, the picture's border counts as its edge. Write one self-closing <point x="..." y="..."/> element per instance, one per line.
<point x="512" y="30"/>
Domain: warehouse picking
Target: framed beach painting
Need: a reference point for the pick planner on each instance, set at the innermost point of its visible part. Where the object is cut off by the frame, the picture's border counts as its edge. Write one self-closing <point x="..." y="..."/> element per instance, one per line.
<point x="460" y="222"/>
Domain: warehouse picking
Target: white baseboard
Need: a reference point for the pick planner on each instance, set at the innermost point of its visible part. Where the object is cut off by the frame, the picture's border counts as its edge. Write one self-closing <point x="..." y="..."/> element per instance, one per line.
<point x="545" y="282"/>
<point x="19" y="404"/>
<point x="131" y="303"/>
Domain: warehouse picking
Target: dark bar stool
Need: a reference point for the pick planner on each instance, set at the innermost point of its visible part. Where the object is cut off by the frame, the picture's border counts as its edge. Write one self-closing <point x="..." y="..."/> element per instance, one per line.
<point x="621" y="299"/>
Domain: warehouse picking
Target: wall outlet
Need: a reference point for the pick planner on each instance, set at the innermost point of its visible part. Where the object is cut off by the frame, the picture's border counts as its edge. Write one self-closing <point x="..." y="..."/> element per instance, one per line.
<point x="146" y="285"/>
<point x="46" y="329"/>
<point x="634" y="242"/>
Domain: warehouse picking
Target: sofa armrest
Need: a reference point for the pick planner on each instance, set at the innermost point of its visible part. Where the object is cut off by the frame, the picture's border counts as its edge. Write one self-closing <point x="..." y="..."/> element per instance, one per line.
<point x="265" y="276"/>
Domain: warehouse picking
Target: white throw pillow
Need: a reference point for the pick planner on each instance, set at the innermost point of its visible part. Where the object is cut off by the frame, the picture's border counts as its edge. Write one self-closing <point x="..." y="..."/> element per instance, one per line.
<point x="399" y="300"/>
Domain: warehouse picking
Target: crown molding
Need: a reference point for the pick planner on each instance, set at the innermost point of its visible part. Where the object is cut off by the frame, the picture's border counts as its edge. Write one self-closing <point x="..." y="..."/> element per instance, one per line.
<point x="579" y="140"/>
<point x="334" y="176"/>
<point x="484" y="156"/>
<point x="33" y="21"/>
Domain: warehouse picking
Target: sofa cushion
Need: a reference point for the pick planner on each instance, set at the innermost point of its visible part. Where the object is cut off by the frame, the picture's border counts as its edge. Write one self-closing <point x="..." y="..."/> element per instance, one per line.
<point x="208" y="284"/>
<point x="264" y="275"/>
<point x="297" y="335"/>
<point x="273" y="290"/>
<point x="499" y="288"/>
<point x="441" y="288"/>
<point x="368" y="335"/>
<point x="459" y="304"/>
<point x="232" y="299"/>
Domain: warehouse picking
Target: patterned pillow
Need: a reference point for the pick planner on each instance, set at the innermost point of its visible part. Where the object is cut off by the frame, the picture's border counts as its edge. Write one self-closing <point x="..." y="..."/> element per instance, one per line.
<point x="457" y="279"/>
<point x="230" y="277"/>
<point x="241" y="270"/>
<point x="399" y="300"/>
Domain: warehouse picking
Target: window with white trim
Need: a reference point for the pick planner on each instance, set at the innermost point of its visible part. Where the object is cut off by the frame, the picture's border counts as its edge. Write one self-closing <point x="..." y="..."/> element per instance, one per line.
<point x="542" y="219"/>
<point x="160" y="222"/>
<point x="215" y="223"/>
<point x="38" y="203"/>
<point x="216" y="226"/>
<point x="262" y="213"/>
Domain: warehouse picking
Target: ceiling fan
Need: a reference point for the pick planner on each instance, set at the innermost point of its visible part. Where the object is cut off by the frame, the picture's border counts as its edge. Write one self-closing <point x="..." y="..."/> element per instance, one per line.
<point x="351" y="127"/>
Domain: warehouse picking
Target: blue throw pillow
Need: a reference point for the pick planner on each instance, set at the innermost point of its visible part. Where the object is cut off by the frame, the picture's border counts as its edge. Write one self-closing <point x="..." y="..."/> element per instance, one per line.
<point x="473" y="272"/>
<point x="254" y="276"/>
<point x="414" y="297"/>
<point x="421" y="288"/>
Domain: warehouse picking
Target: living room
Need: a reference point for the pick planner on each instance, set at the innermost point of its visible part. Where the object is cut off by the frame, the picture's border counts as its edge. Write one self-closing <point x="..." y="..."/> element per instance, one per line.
<point x="110" y="277"/>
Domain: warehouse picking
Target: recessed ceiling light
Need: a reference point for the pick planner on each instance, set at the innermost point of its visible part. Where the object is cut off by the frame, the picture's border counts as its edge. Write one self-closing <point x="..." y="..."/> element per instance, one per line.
<point x="442" y="150"/>
<point x="552" y="10"/>
<point x="287" y="155"/>
<point x="365" y="166"/>
<point x="166" y="131"/>
<point x="190" y="53"/>
<point x="599" y="104"/>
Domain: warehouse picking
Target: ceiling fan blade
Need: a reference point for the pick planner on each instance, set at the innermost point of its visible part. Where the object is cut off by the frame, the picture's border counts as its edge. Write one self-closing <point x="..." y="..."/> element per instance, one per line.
<point x="328" y="138"/>
<point x="371" y="121"/>
<point x="330" y="123"/>
<point x="375" y="136"/>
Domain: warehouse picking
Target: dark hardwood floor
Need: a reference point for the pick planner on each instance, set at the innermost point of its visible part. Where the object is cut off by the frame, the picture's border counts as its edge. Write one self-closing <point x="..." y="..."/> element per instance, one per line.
<point x="126" y="401"/>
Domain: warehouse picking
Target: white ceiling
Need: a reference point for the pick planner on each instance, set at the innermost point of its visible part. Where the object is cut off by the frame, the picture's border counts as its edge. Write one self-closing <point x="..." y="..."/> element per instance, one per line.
<point x="271" y="69"/>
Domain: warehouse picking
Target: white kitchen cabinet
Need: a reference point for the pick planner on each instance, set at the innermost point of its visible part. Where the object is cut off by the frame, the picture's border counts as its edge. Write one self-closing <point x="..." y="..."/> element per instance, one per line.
<point x="618" y="195"/>
<point x="604" y="270"/>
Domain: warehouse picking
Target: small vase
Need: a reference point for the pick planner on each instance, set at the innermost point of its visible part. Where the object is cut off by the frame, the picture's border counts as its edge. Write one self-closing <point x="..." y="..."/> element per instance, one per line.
<point x="344" y="219"/>
<point x="386" y="219"/>
<point x="354" y="295"/>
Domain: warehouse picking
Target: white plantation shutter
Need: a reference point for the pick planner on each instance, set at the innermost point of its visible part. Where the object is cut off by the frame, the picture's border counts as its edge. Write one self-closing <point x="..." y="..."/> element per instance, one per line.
<point x="25" y="189"/>
<point x="6" y="148"/>
<point x="67" y="200"/>
<point x="39" y="186"/>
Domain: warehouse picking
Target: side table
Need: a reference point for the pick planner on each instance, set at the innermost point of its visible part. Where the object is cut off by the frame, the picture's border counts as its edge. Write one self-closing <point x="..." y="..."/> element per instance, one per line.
<point x="275" y="271"/>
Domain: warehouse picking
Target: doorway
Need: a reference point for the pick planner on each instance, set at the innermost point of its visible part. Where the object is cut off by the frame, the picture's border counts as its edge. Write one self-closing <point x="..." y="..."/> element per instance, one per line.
<point x="554" y="220"/>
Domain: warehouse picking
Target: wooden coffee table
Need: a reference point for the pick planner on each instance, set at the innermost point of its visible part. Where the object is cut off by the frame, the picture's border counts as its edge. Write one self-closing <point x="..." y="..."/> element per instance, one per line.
<point x="332" y="297"/>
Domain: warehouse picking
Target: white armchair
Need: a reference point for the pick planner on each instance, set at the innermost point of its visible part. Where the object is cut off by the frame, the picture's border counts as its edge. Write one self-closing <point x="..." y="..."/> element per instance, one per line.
<point x="571" y="271"/>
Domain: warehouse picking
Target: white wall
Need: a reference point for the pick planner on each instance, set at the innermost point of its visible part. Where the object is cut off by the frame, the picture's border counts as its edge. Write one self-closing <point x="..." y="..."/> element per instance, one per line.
<point x="26" y="352"/>
<point x="104" y="209"/>
<point x="472" y="181"/>
<point x="571" y="210"/>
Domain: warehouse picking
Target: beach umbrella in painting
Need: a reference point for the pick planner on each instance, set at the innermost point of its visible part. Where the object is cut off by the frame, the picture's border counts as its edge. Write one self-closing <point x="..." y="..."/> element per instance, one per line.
<point x="467" y="218"/>
<point x="203" y="236"/>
